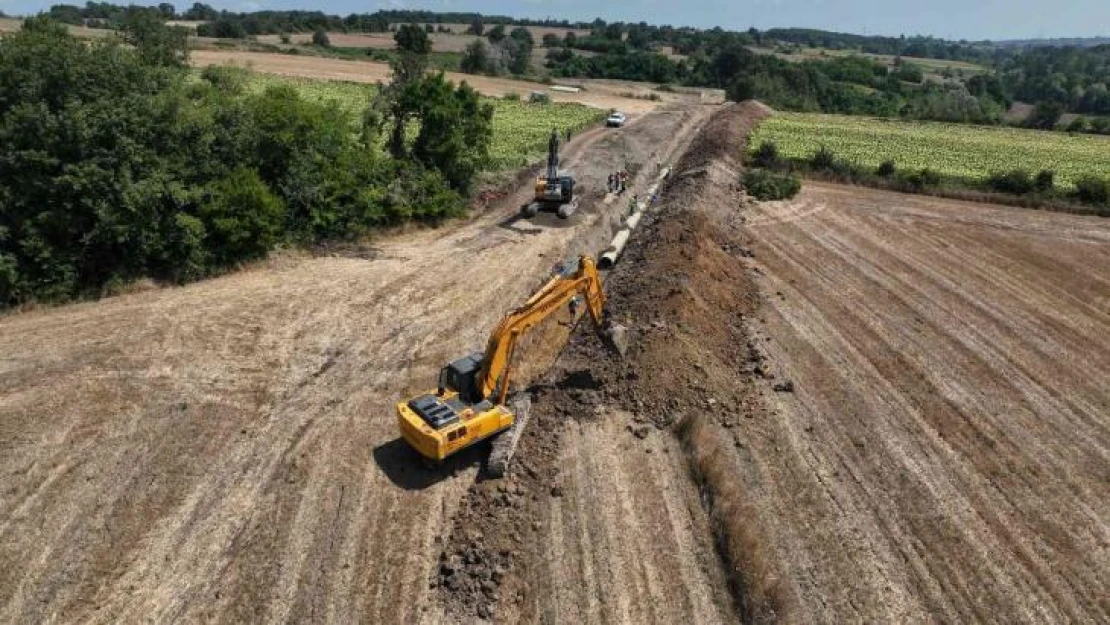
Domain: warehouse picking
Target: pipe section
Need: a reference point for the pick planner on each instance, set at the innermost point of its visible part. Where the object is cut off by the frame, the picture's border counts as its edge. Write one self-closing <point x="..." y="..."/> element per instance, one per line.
<point x="616" y="248"/>
<point x="609" y="258"/>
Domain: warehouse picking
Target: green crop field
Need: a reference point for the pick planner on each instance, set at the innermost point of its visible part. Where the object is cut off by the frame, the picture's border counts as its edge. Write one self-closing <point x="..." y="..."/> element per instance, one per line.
<point x="520" y="130"/>
<point x="955" y="150"/>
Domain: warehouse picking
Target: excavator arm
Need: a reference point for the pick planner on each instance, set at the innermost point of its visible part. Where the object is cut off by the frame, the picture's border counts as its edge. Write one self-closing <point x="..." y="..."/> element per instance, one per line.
<point x="470" y="404"/>
<point x="497" y="363"/>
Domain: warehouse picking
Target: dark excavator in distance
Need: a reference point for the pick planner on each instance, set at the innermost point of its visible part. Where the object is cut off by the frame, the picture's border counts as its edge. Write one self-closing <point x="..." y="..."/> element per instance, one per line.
<point x="555" y="191"/>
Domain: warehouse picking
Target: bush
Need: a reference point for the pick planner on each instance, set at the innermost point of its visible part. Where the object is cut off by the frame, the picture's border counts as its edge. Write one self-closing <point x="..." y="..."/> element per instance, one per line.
<point x="320" y="38"/>
<point x="767" y="155"/>
<point x="930" y="178"/>
<point x="1078" y="125"/>
<point x="1045" y="115"/>
<point x="286" y="38"/>
<point x="887" y="169"/>
<point x="917" y="180"/>
<point x="823" y="159"/>
<point x="1045" y="181"/>
<point x="243" y="218"/>
<point x="539" y="97"/>
<point x="1092" y="190"/>
<point x="767" y="185"/>
<point x="1016" y="182"/>
<point x="511" y="96"/>
<point x="226" y="78"/>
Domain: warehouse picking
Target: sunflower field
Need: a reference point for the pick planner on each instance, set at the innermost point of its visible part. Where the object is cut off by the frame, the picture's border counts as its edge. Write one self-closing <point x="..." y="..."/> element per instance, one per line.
<point x="972" y="153"/>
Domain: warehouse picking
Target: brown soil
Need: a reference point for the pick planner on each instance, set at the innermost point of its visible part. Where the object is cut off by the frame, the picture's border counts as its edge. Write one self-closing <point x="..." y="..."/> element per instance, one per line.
<point x="944" y="454"/>
<point x="892" y="406"/>
<point x="600" y="519"/>
<point x="856" y="406"/>
<point x="629" y="97"/>
<point x="228" y="450"/>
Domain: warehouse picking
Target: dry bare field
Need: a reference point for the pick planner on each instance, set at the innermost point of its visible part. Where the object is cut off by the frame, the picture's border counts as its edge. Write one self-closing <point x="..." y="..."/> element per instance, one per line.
<point x="455" y="41"/>
<point x="598" y="93"/>
<point x="227" y="451"/>
<point x="9" y="25"/>
<point x="945" y="453"/>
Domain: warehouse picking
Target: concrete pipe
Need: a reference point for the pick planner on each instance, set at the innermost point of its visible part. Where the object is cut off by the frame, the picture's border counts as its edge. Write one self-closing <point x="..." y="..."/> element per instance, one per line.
<point x="634" y="219"/>
<point x="609" y="258"/>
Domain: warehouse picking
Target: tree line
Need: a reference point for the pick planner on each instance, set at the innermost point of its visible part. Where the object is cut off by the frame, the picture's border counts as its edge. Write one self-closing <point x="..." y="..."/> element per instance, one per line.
<point x="120" y="164"/>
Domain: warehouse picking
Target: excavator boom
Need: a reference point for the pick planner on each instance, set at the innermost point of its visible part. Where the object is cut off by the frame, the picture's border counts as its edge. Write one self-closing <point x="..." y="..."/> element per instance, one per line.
<point x="561" y="289"/>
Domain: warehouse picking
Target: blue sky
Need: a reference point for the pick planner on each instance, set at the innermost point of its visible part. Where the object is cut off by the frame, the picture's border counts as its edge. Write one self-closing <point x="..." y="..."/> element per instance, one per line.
<point x="955" y="19"/>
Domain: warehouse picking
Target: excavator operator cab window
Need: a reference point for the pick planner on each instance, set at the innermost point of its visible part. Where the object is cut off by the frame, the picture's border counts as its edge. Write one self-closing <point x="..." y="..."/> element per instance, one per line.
<point x="462" y="376"/>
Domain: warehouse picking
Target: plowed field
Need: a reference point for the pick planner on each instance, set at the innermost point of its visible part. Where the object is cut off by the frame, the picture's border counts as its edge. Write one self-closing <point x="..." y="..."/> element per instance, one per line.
<point x="946" y="452"/>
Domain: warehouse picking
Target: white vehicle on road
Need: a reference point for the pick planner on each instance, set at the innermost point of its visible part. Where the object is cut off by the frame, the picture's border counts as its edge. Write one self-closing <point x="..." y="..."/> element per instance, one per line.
<point x="616" y="120"/>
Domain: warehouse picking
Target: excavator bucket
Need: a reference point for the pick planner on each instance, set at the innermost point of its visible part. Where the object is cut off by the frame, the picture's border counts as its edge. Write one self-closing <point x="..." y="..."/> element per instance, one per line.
<point x="615" y="337"/>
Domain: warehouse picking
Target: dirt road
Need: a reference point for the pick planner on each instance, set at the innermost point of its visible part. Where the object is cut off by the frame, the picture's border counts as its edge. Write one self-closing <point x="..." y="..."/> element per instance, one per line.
<point x="226" y="450"/>
<point x="599" y="93"/>
<point x="945" y="453"/>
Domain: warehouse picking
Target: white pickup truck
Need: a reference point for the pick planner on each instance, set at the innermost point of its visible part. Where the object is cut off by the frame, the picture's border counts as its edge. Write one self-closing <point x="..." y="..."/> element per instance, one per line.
<point x="616" y="120"/>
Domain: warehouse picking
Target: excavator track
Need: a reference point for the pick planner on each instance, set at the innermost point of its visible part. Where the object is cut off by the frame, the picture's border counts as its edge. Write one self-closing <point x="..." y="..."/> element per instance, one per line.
<point x="504" y="446"/>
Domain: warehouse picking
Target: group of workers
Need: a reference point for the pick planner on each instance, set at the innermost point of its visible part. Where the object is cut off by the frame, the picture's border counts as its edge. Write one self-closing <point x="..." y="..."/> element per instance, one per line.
<point x="618" y="181"/>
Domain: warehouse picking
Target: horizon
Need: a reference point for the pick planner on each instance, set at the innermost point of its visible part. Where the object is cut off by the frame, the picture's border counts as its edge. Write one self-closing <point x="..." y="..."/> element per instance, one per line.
<point x="1082" y="19"/>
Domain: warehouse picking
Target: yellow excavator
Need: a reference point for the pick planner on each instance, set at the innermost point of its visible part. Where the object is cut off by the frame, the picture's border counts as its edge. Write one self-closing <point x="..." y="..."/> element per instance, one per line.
<point x="471" y="403"/>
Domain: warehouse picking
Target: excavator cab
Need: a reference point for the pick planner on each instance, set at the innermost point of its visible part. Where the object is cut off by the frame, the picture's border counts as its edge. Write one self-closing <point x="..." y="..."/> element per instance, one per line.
<point x="461" y="376"/>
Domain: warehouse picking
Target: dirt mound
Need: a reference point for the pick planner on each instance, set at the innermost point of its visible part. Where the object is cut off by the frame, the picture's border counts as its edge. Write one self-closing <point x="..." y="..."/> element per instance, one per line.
<point x="722" y="140"/>
<point x="683" y="293"/>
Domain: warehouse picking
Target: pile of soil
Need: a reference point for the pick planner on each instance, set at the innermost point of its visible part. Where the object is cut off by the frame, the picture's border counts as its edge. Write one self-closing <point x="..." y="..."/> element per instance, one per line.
<point x="683" y="292"/>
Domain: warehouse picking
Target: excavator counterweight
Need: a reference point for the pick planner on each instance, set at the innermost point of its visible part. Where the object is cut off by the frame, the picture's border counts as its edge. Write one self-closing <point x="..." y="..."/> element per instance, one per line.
<point x="471" y="402"/>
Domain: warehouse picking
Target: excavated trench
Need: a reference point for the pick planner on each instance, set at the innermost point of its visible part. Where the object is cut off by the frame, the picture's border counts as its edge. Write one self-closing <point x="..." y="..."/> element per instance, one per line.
<point x="619" y="506"/>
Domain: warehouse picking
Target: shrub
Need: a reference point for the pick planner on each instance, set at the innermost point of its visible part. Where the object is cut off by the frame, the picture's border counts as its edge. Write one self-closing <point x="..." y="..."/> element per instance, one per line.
<point x="930" y="178"/>
<point x="1092" y="190"/>
<point x="226" y="78"/>
<point x="1045" y="115"/>
<point x="243" y="218"/>
<point x="767" y="185"/>
<point x="767" y="155"/>
<point x="1078" y="125"/>
<point x="1045" y="181"/>
<point x="887" y="169"/>
<point x="539" y="97"/>
<point x="823" y="159"/>
<point x="320" y="38"/>
<point x="1016" y="182"/>
<point x="511" y="96"/>
<point x="917" y="180"/>
<point x="286" y="38"/>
